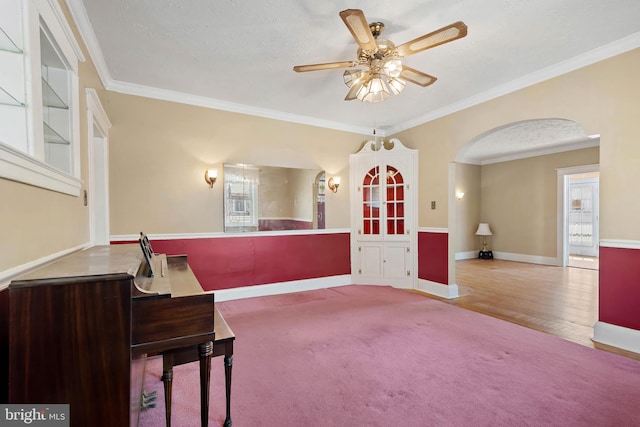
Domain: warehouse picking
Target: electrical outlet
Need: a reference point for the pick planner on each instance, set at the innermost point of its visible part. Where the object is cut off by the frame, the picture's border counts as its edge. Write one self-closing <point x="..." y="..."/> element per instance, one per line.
<point x="433" y="204"/>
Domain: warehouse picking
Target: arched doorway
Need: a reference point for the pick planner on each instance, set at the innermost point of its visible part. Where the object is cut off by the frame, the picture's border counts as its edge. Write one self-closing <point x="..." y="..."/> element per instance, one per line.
<point x="518" y="194"/>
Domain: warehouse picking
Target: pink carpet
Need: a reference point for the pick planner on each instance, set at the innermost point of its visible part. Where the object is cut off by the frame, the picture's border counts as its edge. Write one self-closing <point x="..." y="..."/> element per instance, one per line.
<point x="378" y="356"/>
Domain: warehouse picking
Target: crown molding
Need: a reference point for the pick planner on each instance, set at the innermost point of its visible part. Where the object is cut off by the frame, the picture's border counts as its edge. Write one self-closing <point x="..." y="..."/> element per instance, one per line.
<point x="79" y="14"/>
<point x="81" y="19"/>
<point x="588" y="58"/>
<point x="57" y="11"/>
<point x="217" y="104"/>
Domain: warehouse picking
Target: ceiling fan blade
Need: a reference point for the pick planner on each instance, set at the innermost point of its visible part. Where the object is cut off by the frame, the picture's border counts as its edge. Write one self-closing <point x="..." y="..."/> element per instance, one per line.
<point x="357" y="24"/>
<point x="417" y="77"/>
<point x="452" y="32"/>
<point x="327" y="66"/>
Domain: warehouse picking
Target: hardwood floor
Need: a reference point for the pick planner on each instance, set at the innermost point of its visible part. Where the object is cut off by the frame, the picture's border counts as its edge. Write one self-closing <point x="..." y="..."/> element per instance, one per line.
<point x="555" y="300"/>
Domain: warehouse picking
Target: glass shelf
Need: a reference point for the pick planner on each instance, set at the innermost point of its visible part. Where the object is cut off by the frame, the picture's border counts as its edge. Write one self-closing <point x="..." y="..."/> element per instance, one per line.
<point x="7" y="44"/>
<point x="50" y="97"/>
<point x="7" y="99"/>
<point x="53" y="137"/>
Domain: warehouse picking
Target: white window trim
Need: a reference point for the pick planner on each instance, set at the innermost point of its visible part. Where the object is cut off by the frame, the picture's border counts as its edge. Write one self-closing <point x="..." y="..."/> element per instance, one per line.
<point x="22" y="167"/>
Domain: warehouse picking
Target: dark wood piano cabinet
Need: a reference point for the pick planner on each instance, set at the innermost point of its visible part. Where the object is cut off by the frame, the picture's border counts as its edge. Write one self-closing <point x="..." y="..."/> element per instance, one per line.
<point x="80" y="329"/>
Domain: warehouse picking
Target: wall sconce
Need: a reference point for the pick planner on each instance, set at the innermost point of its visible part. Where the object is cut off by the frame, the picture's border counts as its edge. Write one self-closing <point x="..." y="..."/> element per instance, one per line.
<point x="459" y="195"/>
<point x="210" y="176"/>
<point x="334" y="183"/>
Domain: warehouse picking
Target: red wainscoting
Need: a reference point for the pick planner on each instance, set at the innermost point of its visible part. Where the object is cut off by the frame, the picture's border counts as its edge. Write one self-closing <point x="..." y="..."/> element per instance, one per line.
<point x="619" y="287"/>
<point x="433" y="263"/>
<point x="231" y="262"/>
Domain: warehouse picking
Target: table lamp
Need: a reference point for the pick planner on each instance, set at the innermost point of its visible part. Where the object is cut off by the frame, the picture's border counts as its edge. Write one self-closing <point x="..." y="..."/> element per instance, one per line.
<point x="484" y="231"/>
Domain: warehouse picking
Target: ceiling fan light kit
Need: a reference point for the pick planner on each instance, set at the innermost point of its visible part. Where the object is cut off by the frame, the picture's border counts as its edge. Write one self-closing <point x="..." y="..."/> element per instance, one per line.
<point x="384" y="74"/>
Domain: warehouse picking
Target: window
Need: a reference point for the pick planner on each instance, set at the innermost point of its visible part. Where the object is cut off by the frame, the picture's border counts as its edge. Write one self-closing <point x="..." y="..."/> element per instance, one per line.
<point x="39" y="96"/>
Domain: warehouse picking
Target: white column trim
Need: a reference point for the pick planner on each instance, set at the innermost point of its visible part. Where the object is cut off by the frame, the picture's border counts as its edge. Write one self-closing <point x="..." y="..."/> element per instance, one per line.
<point x="98" y="151"/>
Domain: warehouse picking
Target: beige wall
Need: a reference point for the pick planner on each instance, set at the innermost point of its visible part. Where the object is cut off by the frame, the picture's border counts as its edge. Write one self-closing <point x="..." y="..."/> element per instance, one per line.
<point x="304" y="196"/>
<point x="603" y="98"/>
<point x="519" y="201"/>
<point x="468" y="208"/>
<point x="275" y="193"/>
<point x="286" y="193"/>
<point x="36" y="223"/>
<point x="159" y="151"/>
<point x="431" y="140"/>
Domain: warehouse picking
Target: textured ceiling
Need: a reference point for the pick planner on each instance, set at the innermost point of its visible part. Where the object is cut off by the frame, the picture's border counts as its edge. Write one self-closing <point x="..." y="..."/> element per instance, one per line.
<point x="239" y="55"/>
<point x="526" y="138"/>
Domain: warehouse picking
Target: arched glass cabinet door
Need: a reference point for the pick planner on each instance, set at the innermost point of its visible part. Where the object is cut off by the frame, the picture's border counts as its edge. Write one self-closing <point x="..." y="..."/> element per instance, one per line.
<point x="383" y="203"/>
<point x="395" y="219"/>
<point x="371" y="202"/>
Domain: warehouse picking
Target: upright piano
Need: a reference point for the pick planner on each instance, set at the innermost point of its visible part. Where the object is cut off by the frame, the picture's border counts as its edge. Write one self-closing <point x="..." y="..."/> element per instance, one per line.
<point x="81" y="327"/>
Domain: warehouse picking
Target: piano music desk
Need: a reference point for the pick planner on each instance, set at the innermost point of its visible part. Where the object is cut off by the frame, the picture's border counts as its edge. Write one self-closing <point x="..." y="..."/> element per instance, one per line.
<point x="222" y="346"/>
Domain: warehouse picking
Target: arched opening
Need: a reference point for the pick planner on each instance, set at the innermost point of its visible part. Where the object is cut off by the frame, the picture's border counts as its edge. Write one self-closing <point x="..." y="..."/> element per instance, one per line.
<point x="510" y="179"/>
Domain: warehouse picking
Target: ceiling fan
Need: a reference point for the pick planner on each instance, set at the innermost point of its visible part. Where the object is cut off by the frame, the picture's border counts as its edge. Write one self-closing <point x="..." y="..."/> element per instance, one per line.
<point x="384" y="74"/>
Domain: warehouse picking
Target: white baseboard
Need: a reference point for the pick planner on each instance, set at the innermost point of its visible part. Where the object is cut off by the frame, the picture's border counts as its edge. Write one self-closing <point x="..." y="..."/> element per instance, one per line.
<point x="7" y="276"/>
<point x="617" y="336"/>
<point x="532" y="259"/>
<point x="281" y="288"/>
<point x="466" y="255"/>
<point x="507" y="256"/>
<point x="438" y="289"/>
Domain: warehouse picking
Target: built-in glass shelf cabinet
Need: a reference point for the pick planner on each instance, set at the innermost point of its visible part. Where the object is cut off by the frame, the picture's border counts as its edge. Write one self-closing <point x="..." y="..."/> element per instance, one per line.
<point x="13" y="115"/>
<point x="12" y="66"/>
<point x="56" y="116"/>
<point x="39" y="96"/>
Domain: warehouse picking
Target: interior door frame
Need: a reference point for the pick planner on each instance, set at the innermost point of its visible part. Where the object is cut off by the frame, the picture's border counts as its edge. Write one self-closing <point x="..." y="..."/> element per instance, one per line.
<point x="98" y="126"/>
<point x="593" y="184"/>
<point x="562" y="253"/>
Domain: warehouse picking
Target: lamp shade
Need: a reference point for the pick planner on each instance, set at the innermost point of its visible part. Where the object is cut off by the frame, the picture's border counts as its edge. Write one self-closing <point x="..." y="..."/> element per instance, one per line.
<point x="484" y="230"/>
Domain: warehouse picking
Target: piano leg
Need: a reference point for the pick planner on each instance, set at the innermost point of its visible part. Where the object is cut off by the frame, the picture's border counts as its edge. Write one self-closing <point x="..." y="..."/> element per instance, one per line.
<point x="205" y="350"/>
<point x="228" y="364"/>
<point x="167" y="379"/>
